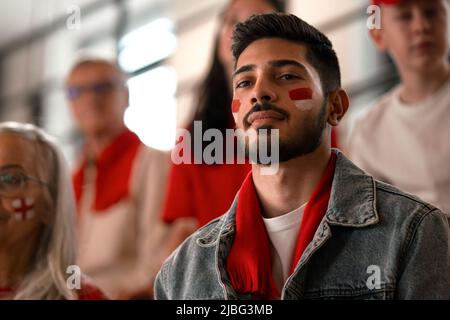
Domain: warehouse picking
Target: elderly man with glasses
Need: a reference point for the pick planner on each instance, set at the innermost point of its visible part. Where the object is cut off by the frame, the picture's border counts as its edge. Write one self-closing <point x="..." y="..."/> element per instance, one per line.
<point x="118" y="184"/>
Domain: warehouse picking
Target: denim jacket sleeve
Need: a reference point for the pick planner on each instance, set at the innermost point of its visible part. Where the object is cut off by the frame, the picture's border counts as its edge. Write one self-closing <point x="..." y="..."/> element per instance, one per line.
<point x="159" y="291"/>
<point x="426" y="262"/>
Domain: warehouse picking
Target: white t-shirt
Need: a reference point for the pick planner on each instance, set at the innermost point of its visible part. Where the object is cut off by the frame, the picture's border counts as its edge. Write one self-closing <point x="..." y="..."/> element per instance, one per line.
<point x="283" y="231"/>
<point x="408" y="145"/>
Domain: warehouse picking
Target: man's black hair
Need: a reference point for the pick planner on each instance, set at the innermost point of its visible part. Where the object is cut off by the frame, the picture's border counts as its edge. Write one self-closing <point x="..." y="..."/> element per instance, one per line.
<point x="320" y="52"/>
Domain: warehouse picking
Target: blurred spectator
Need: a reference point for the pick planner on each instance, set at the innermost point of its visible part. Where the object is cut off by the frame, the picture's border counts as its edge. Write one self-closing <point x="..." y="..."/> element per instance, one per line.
<point x="119" y="185"/>
<point x="403" y="139"/>
<point x="198" y="193"/>
<point x="37" y="237"/>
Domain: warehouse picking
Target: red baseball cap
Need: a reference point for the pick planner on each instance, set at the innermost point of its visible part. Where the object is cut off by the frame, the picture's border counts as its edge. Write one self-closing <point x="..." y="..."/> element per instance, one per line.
<point x="386" y="2"/>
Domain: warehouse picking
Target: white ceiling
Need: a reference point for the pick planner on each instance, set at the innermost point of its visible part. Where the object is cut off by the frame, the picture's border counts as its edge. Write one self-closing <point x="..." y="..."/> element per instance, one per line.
<point x="21" y="17"/>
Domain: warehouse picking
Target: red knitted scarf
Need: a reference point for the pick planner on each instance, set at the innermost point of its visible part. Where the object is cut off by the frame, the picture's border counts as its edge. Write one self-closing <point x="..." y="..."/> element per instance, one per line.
<point x="114" y="166"/>
<point x="249" y="262"/>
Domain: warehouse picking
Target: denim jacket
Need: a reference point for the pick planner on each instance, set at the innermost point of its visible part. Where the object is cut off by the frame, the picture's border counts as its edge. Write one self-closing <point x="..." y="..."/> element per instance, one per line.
<point x="374" y="242"/>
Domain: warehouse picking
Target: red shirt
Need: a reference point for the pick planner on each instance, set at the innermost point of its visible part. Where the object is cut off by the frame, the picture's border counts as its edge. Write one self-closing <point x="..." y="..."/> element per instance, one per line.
<point x="202" y="191"/>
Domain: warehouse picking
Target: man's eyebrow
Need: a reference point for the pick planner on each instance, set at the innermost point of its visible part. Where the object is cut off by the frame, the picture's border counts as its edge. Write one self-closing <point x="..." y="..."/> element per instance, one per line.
<point x="246" y="68"/>
<point x="282" y="63"/>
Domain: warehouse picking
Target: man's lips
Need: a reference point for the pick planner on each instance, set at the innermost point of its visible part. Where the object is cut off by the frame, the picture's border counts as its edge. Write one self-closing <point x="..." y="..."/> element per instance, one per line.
<point x="263" y="115"/>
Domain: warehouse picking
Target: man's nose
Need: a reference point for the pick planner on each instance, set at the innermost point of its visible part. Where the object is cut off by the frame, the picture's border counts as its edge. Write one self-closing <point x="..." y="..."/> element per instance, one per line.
<point x="263" y="91"/>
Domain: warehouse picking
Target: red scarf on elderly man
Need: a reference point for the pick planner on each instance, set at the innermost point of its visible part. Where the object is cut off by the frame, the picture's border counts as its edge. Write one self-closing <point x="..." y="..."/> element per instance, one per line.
<point x="114" y="167"/>
<point x="249" y="262"/>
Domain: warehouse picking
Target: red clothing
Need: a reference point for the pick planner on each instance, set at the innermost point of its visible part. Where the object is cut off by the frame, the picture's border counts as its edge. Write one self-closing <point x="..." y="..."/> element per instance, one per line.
<point x="113" y="166"/>
<point x="5" y="292"/>
<point x="248" y="263"/>
<point x="202" y="191"/>
<point x="119" y="206"/>
<point x="334" y="138"/>
<point x="90" y="292"/>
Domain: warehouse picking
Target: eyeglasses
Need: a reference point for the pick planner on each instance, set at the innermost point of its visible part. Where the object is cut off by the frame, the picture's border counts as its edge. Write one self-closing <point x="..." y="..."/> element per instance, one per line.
<point x="100" y="88"/>
<point x="14" y="182"/>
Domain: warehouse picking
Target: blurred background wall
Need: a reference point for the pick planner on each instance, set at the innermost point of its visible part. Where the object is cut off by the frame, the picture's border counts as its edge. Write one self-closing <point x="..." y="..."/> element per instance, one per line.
<point x="164" y="45"/>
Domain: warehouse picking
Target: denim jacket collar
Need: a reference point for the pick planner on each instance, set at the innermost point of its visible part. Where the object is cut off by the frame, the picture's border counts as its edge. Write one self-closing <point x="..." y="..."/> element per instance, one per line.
<point x="353" y="196"/>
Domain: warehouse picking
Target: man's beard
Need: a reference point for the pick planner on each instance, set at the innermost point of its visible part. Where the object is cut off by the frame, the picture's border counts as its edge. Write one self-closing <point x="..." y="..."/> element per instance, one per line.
<point x="305" y="138"/>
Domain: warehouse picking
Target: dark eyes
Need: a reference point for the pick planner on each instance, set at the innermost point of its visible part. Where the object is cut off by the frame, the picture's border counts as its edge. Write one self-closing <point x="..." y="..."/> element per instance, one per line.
<point x="12" y="179"/>
<point x="407" y="15"/>
<point x="283" y="77"/>
<point x="100" y="88"/>
<point x="404" y="16"/>
<point x="430" y="13"/>
<point x="289" y="76"/>
<point x="243" y="84"/>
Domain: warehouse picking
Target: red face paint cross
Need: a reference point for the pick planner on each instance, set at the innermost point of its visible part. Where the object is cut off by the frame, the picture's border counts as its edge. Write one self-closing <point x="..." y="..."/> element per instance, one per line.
<point x="302" y="98"/>
<point x="23" y="209"/>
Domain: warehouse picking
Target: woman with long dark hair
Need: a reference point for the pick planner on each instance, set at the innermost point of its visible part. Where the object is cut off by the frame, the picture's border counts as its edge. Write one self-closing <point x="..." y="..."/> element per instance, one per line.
<point x="192" y="199"/>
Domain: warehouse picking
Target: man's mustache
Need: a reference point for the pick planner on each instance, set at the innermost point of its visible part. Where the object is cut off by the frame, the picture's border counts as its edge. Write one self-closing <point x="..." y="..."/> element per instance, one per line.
<point x="265" y="106"/>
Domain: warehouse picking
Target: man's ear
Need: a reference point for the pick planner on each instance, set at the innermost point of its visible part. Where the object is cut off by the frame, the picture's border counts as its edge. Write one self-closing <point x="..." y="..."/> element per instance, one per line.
<point x="338" y="106"/>
<point x="377" y="38"/>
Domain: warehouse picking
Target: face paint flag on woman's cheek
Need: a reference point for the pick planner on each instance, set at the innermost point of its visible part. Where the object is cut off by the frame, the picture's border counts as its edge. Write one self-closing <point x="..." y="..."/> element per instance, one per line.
<point x="23" y="208"/>
<point x="302" y="98"/>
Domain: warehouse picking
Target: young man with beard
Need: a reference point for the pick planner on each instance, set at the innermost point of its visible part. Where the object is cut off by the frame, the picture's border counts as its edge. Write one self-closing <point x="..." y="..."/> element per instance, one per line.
<point x="319" y="227"/>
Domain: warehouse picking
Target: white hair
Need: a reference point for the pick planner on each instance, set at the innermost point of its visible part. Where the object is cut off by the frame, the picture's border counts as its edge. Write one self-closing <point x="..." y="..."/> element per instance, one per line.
<point x="56" y="248"/>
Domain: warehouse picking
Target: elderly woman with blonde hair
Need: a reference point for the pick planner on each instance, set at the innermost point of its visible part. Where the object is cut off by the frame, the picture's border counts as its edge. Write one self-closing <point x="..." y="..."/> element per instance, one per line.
<point x="37" y="208"/>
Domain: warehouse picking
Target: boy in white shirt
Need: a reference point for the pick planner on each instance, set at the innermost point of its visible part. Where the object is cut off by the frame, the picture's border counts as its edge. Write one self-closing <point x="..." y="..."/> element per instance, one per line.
<point x="405" y="139"/>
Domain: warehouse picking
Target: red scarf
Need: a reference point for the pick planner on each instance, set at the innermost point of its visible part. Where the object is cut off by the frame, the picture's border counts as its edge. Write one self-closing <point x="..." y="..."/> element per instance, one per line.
<point x="90" y="292"/>
<point x="249" y="262"/>
<point x="113" y="166"/>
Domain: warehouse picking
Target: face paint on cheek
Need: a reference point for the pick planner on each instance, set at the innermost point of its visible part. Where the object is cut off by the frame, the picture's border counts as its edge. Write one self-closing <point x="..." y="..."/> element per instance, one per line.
<point x="235" y="105"/>
<point x="302" y="98"/>
<point x="23" y="208"/>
